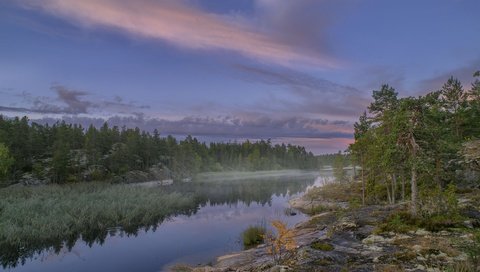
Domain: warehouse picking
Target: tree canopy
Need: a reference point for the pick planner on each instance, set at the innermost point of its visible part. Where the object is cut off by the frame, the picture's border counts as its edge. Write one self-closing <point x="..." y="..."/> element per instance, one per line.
<point x="427" y="140"/>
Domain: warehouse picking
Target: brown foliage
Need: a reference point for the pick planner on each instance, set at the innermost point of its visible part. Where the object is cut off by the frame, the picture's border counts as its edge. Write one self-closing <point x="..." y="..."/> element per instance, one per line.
<point x="281" y="245"/>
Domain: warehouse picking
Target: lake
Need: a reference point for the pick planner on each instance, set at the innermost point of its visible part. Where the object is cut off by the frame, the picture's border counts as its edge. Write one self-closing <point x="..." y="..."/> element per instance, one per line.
<point x="225" y="208"/>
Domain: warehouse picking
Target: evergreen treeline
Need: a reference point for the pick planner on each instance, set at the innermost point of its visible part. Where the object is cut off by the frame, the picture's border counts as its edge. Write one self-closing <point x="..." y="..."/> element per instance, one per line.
<point x="417" y="146"/>
<point x="68" y="153"/>
<point x="333" y="160"/>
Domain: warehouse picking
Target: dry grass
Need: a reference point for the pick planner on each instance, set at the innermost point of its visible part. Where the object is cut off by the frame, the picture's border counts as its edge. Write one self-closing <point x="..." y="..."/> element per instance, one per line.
<point x="440" y="244"/>
<point x="388" y="268"/>
<point x="180" y="268"/>
<point x="428" y="245"/>
<point x="336" y="192"/>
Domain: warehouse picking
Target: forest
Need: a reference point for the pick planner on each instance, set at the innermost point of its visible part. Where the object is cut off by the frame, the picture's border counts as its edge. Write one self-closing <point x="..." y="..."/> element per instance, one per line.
<point x="62" y="153"/>
<point x="420" y="148"/>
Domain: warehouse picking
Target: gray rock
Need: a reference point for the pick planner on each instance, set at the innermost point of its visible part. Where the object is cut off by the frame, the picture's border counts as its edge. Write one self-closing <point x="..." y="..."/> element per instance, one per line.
<point x="468" y="224"/>
<point x="167" y="182"/>
<point x="421" y="258"/>
<point x="422" y="232"/>
<point x="28" y="179"/>
<point x="280" y="268"/>
<point x="372" y="239"/>
<point x="417" y="248"/>
<point x="345" y="225"/>
<point x="401" y="237"/>
<point x="374" y="248"/>
<point x="420" y="267"/>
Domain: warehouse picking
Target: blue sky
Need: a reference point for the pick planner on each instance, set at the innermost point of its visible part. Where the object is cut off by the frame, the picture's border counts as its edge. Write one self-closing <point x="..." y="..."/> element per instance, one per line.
<point x="294" y="71"/>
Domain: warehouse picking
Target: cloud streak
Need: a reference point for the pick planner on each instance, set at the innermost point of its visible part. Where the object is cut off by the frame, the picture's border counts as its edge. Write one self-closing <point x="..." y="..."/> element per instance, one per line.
<point x="70" y="101"/>
<point x="314" y="95"/>
<point x="183" y="25"/>
<point x="464" y="74"/>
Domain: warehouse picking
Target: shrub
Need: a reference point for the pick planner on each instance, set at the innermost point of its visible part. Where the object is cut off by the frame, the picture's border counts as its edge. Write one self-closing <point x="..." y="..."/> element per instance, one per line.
<point x="354" y="203"/>
<point x="400" y="222"/>
<point x="439" y="222"/>
<point x="282" y="244"/>
<point x="434" y="201"/>
<point x="473" y="251"/>
<point x="253" y="235"/>
<point x="318" y="245"/>
<point x="439" y="208"/>
<point x="462" y="266"/>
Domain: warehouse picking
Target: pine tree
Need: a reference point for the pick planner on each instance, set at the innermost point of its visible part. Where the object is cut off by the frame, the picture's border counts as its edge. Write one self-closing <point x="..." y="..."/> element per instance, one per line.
<point x="338" y="167"/>
<point x="6" y="161"/>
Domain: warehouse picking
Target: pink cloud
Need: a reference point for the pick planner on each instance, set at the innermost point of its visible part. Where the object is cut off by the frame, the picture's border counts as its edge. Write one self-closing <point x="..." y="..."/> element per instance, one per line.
<point x="182" y="25"/>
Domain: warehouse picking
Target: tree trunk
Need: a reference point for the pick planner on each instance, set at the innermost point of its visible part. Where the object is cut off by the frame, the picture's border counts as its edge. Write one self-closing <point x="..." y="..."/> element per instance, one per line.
<point x="437" y="172"/>
<point x="403" y="188"/>
<point x="363" y="184"/>
<point x="389" y="196"/>
<point x="414" y="147"/>
<point x="414" y="191"/>
<point x="394" y="187"/>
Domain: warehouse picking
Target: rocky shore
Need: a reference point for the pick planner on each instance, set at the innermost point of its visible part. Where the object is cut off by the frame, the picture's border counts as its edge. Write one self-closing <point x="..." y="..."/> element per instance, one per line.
<point x="346" y="238"/>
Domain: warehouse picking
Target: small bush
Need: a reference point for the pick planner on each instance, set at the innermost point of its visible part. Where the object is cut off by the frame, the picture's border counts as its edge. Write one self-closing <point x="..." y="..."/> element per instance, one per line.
<point x="318" y="245"/>
<point x="280" y="246"/>
<point x="435" y="201"/>
<point x="439" y="222"/>
<point x="354" y="203"/>
<point x="473" y="251"/>
<point x="253" y="235"/>
<point x="462" y="266"/>
<point x="401" y="222"/>
<point x="439" y="208"/>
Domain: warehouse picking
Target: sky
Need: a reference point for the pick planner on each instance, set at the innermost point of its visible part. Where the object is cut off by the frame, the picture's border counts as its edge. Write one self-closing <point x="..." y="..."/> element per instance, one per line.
<point x="294" y="71"/>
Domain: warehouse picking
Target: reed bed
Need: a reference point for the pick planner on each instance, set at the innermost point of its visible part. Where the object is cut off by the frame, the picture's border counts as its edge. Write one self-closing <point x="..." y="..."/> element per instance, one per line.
<point x="33" y="219"/>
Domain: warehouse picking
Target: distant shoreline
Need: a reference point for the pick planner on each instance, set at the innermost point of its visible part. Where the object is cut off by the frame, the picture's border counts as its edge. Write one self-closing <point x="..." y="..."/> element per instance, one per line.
<point x="239" y="175"/>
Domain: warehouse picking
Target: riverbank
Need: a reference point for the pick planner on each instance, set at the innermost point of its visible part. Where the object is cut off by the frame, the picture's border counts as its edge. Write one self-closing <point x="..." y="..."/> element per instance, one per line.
<point x="349" y="237"/>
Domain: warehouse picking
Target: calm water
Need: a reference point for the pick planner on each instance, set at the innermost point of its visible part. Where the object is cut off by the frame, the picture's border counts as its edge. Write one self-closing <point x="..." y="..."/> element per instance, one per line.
<point x="225" y="210"/>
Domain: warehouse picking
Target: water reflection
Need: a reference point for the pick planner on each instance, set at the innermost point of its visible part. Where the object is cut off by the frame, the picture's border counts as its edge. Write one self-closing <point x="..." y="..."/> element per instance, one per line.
<point x="222" y="210"/>
<point x="247" y="191"/>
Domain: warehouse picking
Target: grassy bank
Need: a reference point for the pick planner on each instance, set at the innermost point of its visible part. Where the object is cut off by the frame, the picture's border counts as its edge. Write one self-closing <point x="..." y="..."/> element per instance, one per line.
<point x="36" y="218"/>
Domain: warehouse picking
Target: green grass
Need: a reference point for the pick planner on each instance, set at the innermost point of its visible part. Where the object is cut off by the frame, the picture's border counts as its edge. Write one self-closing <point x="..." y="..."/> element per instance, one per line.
<point x="36" y="218"/>
<point x="318" y="245"/>
<point x="440" y="222"/>
<point x="399" y="222"/>
<point x="253" y="235"/>
<point x="403" y="222"/>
